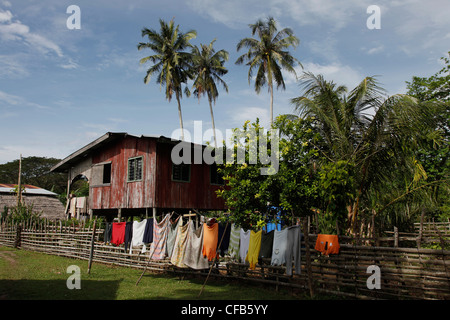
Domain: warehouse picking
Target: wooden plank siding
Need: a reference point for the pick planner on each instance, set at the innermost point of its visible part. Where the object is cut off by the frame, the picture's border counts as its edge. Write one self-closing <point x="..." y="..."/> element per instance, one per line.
<point x="156" y="188"/>
<point x="198" y="193"/>
<point x="120" y="193"/>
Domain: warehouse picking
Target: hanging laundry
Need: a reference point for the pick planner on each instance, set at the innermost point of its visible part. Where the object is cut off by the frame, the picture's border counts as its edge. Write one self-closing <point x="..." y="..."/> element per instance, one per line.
<point x="327" y="244"/>
<point x="108" y="232"/>
<point x="224" y="238"/>
<point x="138" y="235"/>
<point x="160" y="232"/>
<point x="253" y="248"/>
<point x="180" y="245"/>
<point x="266" y="245"/>
<point x="279" y="247"/>
<point x="118" y="233"/>
<point x="128" y="234"/>
<point x="193" y="254"/>
<point x="82" y="205"/>
<point x="233" y="247"/>
<point x="172" y="234"/>
<point x="73" y="207"/>
<point x="148" y="232"/>
<point x="293" y="249"/>
<point x="210" y="240"/>
<point x="244" y="241"/>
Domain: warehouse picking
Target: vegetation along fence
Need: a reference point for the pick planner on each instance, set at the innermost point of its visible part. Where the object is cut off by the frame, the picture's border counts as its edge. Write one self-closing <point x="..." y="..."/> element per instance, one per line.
<point x="404" y="272"/>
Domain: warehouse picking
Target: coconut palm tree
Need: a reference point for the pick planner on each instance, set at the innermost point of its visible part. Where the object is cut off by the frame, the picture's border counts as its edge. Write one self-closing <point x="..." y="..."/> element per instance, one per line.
<point x="268" y="55"/>
<point x="170" y="61"/>
<point x="208" y="68"/>
<point x="375" y="133"/>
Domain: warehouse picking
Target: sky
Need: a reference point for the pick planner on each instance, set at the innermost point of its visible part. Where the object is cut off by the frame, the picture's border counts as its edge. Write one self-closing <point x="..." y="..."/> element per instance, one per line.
<point x="61" y="88"/>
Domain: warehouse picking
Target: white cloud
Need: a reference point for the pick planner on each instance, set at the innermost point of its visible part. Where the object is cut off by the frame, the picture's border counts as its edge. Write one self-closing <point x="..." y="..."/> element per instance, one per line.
<point x="250" y="113"/>
<point x="12" y="66"/>
<point x="336" y="72"/>
<point x="17" y="31"/>
<point x="375" y="50"/>
<point x="13" y="101"/>
<point x="5" y="16"/>
<point x="70" y="64"/>
<point x="235" y="13"/>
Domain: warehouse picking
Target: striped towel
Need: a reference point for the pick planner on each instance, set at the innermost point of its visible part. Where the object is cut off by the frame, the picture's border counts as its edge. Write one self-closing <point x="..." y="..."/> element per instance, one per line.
<point x="233" y="247"/>
<point x="160" y="233"/>
<point x="172" y="234"/>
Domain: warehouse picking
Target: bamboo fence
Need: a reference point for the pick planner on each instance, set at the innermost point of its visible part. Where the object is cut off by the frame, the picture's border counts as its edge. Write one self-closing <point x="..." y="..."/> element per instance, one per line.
<point x="405" y="272"/>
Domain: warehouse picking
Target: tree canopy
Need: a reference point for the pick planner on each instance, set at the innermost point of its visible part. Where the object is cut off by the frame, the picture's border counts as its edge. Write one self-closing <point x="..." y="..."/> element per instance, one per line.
<point x="35" y="171"/>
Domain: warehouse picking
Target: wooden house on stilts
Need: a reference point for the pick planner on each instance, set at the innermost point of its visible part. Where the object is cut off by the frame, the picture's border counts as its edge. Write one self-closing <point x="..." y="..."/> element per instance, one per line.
<point x="134" y="175"/>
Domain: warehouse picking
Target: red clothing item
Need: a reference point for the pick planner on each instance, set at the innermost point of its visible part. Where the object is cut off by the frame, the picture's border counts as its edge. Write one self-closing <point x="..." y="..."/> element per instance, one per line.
<point x="118" y="233"/>
<point x="210" y="238"/>
<point x="327" y="244"/>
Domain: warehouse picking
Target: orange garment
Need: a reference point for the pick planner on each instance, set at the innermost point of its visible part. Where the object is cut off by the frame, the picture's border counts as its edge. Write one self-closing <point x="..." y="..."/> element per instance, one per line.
<point x="210" y="239"/>
<point x="327" y="244"/>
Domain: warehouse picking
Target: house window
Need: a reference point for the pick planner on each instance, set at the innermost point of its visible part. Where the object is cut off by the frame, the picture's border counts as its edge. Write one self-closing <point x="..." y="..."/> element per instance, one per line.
<point x="135" y="169"/>
<point x="216" y="177"/>
<point x="181" y="172"/>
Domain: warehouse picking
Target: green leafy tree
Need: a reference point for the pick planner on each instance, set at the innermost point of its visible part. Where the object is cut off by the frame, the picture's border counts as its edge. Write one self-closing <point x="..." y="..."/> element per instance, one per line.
<point x="268" y="55"/>
<point x="365" y="150"/>
<point x="434" y="91"/>
<point x="170" y="62"/>
<point x="34" y="171"/>
<point x="208" y="69"/>
<point x="294" y="188"/>
<point x="247" y="190"/>
<point x="434" y="88"/>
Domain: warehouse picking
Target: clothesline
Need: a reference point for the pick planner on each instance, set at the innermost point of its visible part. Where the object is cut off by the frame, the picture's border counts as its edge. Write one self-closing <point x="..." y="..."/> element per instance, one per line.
<point x="186" y="246"/>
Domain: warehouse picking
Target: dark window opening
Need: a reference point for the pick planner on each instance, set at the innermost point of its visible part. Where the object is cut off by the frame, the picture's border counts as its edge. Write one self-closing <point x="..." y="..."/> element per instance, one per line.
<point x="216" y="177"/>
<point x="181" y="172"/>
<point x="107" y="173"/>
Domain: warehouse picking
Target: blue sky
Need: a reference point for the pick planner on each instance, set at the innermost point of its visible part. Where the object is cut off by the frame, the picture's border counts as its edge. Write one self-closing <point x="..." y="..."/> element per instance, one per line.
<point x="61" y="89"/>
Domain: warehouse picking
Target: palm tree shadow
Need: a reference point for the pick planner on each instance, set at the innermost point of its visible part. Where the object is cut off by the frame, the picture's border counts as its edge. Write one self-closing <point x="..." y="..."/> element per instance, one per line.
<point x="24" y="289"/>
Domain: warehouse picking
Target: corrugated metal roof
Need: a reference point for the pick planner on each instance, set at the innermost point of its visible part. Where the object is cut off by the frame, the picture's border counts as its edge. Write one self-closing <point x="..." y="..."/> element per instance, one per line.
<point x="29" y="189"/>
<point x="108" y="137"/>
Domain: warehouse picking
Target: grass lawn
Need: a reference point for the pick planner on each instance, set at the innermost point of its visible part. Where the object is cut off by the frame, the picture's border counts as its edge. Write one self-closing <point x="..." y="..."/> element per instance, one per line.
<point x="27" y="275"/>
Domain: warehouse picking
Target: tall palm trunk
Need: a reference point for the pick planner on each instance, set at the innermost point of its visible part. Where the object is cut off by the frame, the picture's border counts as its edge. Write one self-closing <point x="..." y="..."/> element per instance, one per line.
<point x="271" y="103"/>
<point x="213" y="125"/>
<point x="180" y="117"/>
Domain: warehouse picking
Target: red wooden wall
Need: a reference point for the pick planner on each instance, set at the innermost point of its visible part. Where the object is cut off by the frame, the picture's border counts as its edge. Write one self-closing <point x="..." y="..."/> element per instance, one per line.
<point x="156" y="189"/>
<point x="120" y="193"/>
<point x="199" y="193"/>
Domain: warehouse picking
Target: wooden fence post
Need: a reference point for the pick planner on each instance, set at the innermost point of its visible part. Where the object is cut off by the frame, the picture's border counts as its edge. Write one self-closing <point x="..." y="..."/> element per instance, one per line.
<point x="419" y="240"/>
<point x="308" y="257"/>
<point x="17" y="240"/>
<point x="395" y="237"/>
<point x="91" y="254"/>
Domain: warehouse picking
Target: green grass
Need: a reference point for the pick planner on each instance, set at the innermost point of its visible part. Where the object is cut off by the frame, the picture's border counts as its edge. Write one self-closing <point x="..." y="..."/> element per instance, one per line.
<point x="26" y="275"/>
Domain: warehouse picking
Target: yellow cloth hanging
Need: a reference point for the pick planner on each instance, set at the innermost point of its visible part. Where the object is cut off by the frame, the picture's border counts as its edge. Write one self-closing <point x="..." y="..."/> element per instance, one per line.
<point x="254" y="247"/>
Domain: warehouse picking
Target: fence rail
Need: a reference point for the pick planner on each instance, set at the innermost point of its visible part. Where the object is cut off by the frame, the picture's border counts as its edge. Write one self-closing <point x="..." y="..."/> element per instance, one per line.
<point x="405" y="273"/>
